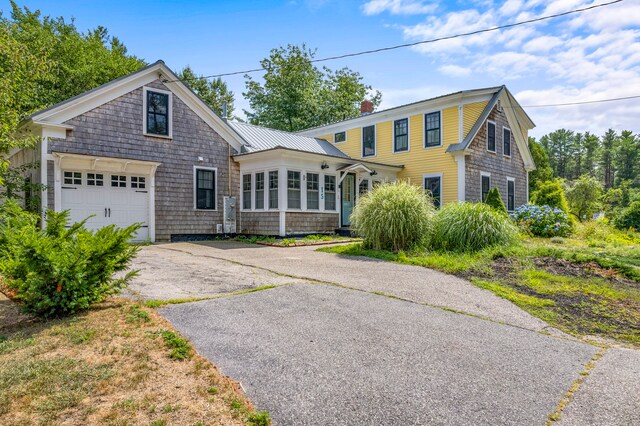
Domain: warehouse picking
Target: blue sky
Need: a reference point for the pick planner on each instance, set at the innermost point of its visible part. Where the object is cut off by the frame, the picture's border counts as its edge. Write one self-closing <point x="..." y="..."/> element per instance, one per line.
<point x="590" y="56"/>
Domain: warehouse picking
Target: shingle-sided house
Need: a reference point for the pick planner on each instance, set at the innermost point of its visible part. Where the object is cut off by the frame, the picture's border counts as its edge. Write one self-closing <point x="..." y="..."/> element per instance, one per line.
<point x="144" y="148"/>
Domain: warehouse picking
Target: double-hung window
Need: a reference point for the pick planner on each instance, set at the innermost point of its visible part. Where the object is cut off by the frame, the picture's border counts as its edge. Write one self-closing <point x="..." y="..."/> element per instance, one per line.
<point x="401" y="135"/>
<point x="246" y="192"/>
<point x="273" y="189"/>
<point x="205" y="189"/>
<point x="432" y="135"/>
<point x="368" y="141"/>
<point x="433" y="186"/>
<point x="485" y="186"/>
<point x="511" y="194"/>
<point x="259" y="190"/>
<point x="491" y="136"/>
<point x="313" y="191"/>
<point x="157" y="113"/>
<point x="293" y="190"/>
<point x="506" y="139"/>
<point x="329" y="192"/>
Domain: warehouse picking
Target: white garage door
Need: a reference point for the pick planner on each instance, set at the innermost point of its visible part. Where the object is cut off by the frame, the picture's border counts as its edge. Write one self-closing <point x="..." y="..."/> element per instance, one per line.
<point x="112" y="198"/>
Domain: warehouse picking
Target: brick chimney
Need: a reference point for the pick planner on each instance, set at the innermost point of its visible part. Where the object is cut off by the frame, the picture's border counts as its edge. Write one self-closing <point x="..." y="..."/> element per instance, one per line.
<point x="366" y="107"/>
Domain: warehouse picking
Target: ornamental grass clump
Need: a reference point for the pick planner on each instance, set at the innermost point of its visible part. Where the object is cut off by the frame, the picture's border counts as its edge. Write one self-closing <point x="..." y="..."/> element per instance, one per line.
<point x="542" y="221"/>
<point x="468" y="227"/>
<point x="394" y="216"/>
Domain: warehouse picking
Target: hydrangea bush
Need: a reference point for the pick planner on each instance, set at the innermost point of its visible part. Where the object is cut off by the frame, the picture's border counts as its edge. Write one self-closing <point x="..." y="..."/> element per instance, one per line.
<point x="542" y="221"/>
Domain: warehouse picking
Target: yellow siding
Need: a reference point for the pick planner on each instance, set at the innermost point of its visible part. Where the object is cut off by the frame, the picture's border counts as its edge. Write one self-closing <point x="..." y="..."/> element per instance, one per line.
<point x="471" y="114"/>
<point x="327" y="137"/>
<point x="418" y="161"/>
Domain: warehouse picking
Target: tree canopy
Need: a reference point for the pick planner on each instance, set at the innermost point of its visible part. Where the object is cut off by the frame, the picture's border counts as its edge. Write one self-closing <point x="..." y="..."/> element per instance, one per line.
<point x="215" y="92"/>
<point x="296" y="94"/>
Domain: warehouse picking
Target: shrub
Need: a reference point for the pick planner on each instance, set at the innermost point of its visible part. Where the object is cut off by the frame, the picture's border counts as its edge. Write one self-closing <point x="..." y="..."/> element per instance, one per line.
<point x="394" y="216"/>
<point x="629" y="217"/>
<point x="542" y="221"/>
<point x="584" y="197"/>
<point x="551" y="194"/>
<point x="494" y="200"/>
<point x="62" y="269"/>
<point x="471" y="227"/>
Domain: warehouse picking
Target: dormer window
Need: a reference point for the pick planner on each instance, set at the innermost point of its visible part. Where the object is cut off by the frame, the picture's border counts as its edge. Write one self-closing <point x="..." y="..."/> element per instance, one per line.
<point x="157" y="110"/>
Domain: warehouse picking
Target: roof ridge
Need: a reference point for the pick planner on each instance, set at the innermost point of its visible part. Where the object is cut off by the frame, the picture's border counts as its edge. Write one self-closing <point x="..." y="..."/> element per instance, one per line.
<point x="494" y="88"/>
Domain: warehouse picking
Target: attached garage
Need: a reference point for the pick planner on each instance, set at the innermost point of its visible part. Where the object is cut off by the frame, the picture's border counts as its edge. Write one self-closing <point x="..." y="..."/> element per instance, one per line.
<point x="107" y="191"/>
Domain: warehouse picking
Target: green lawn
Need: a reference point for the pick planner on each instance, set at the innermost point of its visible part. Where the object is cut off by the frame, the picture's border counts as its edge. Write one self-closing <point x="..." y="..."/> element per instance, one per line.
<point x="585" y="285"/>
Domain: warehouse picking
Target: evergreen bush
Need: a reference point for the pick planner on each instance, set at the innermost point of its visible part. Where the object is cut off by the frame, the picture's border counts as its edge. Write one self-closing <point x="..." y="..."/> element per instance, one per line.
<point x="394" y="216"/>
<point x="494" y="200"/>
<point x="62" y="268"/>
<point x="629" y="217"/>
<point x="551" y="193"/>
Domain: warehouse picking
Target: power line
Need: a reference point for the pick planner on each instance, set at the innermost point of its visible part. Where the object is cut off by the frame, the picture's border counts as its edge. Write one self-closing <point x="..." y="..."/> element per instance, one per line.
<point x="400" y="46"/>
<point x="582" y="102"/>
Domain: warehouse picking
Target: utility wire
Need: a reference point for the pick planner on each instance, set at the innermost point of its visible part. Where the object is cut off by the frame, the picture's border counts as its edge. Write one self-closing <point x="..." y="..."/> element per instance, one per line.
<point x="399" y="46"/>
<point x="581" y="103"/>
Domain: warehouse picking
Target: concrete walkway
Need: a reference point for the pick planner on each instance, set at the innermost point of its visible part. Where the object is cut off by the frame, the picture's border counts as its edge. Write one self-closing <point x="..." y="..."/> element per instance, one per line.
<point x="315" y="353"/>
<point x="408" y="282"/>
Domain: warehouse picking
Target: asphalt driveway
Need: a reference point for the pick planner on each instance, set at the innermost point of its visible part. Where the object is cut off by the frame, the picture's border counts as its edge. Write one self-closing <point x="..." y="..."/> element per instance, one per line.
<point x="327" y="347"/>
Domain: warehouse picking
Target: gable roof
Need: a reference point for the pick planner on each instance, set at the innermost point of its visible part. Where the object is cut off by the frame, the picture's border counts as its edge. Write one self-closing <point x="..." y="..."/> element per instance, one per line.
<point x="405" y="109"/>
<point x="261" y="139"/>
<point x="518" y="122"/>
<point x="63" y="111"/>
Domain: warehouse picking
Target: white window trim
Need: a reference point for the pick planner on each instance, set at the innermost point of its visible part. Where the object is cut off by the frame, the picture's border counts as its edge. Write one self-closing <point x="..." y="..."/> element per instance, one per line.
<point x="432" y="175"/>
<point x="324" y="193"/>
<point x="510" y="179"/>
<point x="265" y="190"/>
<point x="482" y="174"/>
<point x="319" y="191"/>
<point x="424" y="130"/>
<point x="146" y="89"/>
<point x="346" y="137"/>
<point x="195" y="188"/>
<point x="375" y="141"/>
<point x="268" y="190"/>
<point x="302" y="183"/>
<point x="495" y="137"/>
<point x="252" y="179"/>
<point x="393" y="135"/>
<point x="510" y="142"/>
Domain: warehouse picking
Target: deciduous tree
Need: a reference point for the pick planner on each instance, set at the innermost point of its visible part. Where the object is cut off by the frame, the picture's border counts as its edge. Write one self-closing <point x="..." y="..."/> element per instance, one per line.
<point x="296" y="95"/>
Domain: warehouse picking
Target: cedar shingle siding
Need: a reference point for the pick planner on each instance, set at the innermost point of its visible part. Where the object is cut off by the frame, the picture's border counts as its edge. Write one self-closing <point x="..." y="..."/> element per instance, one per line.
<point x="497" y="164"/>
<point x="115" y="130"/>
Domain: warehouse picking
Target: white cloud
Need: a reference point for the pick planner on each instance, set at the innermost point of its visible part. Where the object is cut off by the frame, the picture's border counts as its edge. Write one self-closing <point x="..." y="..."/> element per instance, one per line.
<point x="542" y="44"/>
<point x="451" y="24"/>
<point x="454" y="70"/>
<point x="398" y="7"/>
<point x="588" y="56"/>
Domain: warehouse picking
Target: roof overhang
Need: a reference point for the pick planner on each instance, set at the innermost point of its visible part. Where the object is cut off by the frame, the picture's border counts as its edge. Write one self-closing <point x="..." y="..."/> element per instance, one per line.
<point x="60" y="113"/>
<point x="109" y="164"/>
<point x="347" y="161"/>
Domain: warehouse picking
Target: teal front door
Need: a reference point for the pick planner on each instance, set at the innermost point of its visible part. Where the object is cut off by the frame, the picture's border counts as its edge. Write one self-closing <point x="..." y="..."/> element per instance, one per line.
<point x="348" y="197"/>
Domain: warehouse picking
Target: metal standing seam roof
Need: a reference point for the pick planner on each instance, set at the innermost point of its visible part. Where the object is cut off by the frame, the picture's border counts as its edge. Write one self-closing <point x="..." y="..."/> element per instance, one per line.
<point x="262" y="139"/>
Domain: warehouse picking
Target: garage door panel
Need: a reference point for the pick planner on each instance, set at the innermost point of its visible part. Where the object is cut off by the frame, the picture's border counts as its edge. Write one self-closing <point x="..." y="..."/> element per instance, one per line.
<point x="112" y="202"/>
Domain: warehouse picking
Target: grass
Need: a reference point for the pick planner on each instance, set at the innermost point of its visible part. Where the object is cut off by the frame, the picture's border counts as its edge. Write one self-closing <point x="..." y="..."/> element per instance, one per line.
<point x="120" y="363"/>
<point x="314" y="239"/>
<point x="160" y="303"/>
<point x="585" y="285"/>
